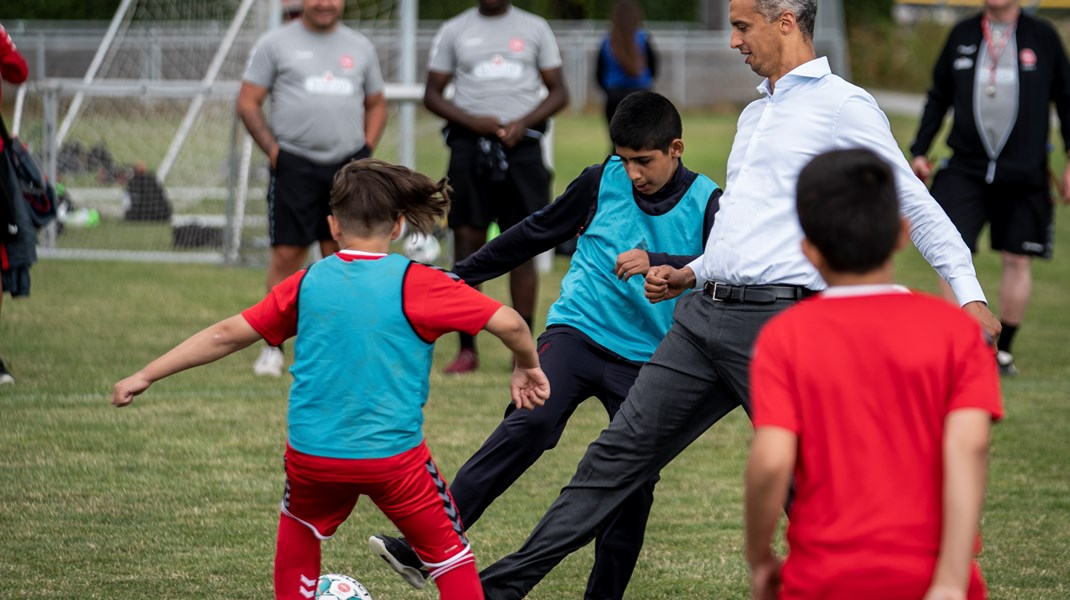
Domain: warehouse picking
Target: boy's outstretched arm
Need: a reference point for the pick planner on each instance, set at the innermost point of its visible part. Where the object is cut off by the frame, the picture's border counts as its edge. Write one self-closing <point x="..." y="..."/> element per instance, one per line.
<point x="769" y="467"/>
<point x="210" y="344"/>
<point x="966" y="436"/>
<point x="529" y="386"/>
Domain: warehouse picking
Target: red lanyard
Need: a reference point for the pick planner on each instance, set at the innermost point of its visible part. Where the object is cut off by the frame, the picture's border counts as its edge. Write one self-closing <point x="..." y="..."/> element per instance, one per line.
<point x="994" y="52"/>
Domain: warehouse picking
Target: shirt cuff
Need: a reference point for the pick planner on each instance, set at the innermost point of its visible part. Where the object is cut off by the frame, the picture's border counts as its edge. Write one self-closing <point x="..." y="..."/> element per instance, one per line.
<point x="696" y="268"/>
<point x="967" y="289"/>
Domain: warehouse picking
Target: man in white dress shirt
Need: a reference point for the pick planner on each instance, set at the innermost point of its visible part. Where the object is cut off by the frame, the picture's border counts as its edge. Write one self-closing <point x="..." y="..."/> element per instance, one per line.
<point x="752" y="269"/>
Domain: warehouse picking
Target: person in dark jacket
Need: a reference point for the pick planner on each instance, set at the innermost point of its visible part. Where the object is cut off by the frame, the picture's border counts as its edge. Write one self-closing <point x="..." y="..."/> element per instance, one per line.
<point x="18" y="240"/>
<point x="1000" y="71"/>
<point x="626" y="60"/>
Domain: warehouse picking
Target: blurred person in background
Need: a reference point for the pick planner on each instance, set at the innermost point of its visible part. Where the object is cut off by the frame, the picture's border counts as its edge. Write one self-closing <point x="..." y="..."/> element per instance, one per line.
<point x="626" y="60"/>
<point x="327" y="108"/>
<point x="1000" y="70"/>
<point x="499" y="59"/>
<point x="17" y="240"/>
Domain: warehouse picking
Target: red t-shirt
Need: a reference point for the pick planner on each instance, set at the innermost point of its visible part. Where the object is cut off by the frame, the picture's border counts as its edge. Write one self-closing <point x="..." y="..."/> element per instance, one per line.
<point x="434" y="303"/>
<point x="866" y="379"/>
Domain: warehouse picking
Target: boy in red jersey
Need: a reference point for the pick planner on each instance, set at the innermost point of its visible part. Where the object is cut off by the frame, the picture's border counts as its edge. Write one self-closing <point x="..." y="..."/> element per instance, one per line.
<point x="889" y="446"/>
<point x="365" y="323"/>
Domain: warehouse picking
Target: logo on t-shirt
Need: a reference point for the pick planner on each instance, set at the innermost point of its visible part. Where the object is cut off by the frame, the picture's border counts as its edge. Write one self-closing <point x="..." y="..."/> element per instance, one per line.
<point x="498" y="67"/>
<point x="328" y="85"/>
<point x="516" y="44"/>
<point x="347" y="62"/>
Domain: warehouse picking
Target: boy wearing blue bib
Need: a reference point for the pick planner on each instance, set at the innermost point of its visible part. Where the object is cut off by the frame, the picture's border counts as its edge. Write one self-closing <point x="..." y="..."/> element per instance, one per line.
<point x="601" y="329"/>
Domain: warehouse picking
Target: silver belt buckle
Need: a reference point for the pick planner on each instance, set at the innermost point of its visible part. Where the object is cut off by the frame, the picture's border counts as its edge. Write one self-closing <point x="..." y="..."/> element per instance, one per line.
<point x="713" y="294"/>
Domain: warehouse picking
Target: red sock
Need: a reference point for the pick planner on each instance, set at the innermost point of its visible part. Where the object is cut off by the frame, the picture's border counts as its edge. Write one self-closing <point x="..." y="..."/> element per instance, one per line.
<point x="297" y="560"/>
<point x="460" y="583"/>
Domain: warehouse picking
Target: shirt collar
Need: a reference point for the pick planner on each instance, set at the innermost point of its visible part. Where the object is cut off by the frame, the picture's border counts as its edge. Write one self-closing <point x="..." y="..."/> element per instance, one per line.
<point x="812" y="69"/>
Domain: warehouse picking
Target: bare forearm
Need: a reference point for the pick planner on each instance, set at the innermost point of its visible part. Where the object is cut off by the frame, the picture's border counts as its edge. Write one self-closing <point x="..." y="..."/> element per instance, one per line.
<point x="550" y="106"/>
<point x="208" y="345"/>
<point x="965" y="471"/>
<point x="375" y="115"/>
<point x="257" y="126"/>
<point x="510" y="328"/>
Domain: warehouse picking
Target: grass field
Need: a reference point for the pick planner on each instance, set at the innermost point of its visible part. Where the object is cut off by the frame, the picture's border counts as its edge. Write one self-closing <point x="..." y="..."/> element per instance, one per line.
<point x="177" y="496"/>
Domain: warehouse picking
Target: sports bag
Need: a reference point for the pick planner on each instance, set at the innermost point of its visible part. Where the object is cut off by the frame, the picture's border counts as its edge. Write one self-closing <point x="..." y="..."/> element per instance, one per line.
<point x="34" y="187"/>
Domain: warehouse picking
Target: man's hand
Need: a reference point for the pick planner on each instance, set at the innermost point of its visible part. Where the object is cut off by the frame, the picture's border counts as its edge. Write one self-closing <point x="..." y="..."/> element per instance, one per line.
<point x="765" y="579"/>
<point x="922" y="168"/>
<point x="484" y="126"/>
<point x="511" y="133"/>
<point x="664" y="282"/>
<point x="273" y="156"/>
<point x="944" y="592"/>
<point x="989" y="322"/>
<point x="632" y="262"/>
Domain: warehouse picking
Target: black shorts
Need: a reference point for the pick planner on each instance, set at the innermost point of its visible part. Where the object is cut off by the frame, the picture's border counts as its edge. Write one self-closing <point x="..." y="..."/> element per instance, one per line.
<point x="299" y="199"/>
<point x="1020" y="216"/>
<point x="478" y="199"/>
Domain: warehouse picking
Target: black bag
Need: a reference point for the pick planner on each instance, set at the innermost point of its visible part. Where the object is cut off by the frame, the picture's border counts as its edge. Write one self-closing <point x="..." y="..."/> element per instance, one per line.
<point x="34" y="187"/>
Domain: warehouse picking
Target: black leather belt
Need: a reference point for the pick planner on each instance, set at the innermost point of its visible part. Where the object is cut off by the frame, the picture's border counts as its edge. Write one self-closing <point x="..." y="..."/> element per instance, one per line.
<point x="754" y="294"/>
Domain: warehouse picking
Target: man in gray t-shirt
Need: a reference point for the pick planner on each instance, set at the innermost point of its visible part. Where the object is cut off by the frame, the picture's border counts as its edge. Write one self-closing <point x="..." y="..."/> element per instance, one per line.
<point x="500" y="60"/>
<point x="327" y="107"/>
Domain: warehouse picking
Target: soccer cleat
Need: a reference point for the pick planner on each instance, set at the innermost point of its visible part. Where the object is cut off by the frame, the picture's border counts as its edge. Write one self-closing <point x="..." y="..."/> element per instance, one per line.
<point x="399" y="555"/>
<point x="1005" y="360"/>
<point x="467" y="361"/>
<point x="269" y="363"/>
<point x="5" y="376"/>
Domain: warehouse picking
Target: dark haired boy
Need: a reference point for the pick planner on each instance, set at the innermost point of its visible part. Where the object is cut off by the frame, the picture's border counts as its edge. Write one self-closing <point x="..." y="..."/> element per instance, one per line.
<point x="601" y="329"/>
<point x="889" y="448"/>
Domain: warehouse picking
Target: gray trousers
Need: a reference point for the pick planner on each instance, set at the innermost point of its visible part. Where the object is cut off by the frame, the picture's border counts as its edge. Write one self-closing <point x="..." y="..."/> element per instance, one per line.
<point x="698" y="374"/>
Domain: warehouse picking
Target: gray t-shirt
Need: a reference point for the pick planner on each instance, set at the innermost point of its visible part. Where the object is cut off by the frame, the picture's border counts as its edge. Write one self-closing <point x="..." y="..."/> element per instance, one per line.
<point x="495" y="61"/>
<point x="318" y="84"/>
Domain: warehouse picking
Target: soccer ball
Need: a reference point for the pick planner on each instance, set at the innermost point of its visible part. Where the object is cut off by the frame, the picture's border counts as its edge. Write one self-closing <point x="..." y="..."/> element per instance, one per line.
<point x="422" y="248"/>
<point x="340" y="587"/>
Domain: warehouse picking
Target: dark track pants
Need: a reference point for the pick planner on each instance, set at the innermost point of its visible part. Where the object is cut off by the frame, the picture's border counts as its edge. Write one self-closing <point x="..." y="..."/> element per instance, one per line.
<point x="577" y="369"/>
<point x="698" y="374"/>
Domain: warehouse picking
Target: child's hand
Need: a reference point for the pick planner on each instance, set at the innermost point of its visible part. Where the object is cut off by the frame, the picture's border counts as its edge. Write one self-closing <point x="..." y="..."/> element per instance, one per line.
<point x="529" y="387"/>
<point x="632" y="262"/>
<point x="124" y="391"/>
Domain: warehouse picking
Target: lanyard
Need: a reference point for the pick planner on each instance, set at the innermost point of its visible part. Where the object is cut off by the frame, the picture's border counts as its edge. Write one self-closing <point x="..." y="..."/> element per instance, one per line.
<point x="995" y="52"/>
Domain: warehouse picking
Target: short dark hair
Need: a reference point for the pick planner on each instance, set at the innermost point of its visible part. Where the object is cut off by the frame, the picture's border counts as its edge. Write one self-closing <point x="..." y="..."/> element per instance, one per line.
<point x="645" y="121"/>
<point x="849" y="209"/>
<point x="369" y="195"/>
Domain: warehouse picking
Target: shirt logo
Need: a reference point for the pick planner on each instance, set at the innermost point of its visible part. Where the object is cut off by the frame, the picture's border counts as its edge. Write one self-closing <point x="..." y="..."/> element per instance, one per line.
<point x="346" y="61"/>
<point x="962" y="62"/>
<point x="516" y="45"/>
<point x="967" y="49"/>
<point x="328" y="85"/>
<point x="1028" y="59"/>
<point x="498" y="67"/>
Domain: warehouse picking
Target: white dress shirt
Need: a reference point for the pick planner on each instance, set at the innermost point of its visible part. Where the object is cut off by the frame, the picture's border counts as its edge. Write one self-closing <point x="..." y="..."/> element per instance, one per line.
<point x="756" y="236"/>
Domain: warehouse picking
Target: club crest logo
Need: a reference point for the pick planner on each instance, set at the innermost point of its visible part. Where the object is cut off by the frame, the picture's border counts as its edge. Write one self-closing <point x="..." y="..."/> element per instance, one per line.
<point x="346" y="61"/>
<point x="516" y="45"/>
<point x="1027" y="59"/>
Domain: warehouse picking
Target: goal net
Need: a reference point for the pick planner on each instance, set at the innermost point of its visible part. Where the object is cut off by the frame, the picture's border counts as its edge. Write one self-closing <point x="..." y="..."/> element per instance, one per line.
<point x="147" y="145"/>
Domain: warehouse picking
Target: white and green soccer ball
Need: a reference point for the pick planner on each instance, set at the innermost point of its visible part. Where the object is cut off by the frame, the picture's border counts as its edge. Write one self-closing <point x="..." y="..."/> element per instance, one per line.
<point x="340" y="587"/>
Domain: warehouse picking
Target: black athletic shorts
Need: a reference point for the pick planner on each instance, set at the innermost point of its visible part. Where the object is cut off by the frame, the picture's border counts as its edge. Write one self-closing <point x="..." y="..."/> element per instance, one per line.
<point x="484" y="190"/>
<point x="299" y="199"/>
<point x="1019" y="216"/>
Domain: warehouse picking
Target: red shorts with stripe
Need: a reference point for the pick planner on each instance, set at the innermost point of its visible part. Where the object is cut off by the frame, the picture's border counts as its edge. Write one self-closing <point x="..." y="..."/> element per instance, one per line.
<point x="321" y="493"/>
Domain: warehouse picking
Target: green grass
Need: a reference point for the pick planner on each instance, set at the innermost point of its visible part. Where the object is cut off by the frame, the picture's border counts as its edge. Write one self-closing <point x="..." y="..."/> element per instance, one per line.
<point x="177" y="496"/>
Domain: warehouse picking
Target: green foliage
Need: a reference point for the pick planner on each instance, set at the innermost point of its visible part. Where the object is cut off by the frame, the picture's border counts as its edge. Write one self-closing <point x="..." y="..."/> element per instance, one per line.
<point x="58" y="9"/>
<point x="868" y="12"/>
<point x="887" y="56"/>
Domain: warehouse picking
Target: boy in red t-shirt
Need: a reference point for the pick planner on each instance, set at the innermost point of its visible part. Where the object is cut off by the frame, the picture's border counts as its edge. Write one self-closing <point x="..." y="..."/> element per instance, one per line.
<point x="365" y="324"/>
<point x="887" y="438"/>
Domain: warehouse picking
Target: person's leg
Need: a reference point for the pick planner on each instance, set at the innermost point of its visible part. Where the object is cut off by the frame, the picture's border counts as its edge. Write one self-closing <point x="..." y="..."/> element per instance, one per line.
<point x="5" y="376"/>
<point x="617" y="547"/>
<point x="416" y="499"/>
<point x="469" y="217"/>
<point x="524" y="435"/>
<point x="297" y="560"/>
<point x="678" y="395"/>
<point x="285" y="261"/>
<point x="1015" y="287"/>
<point x="523" y="289"/>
